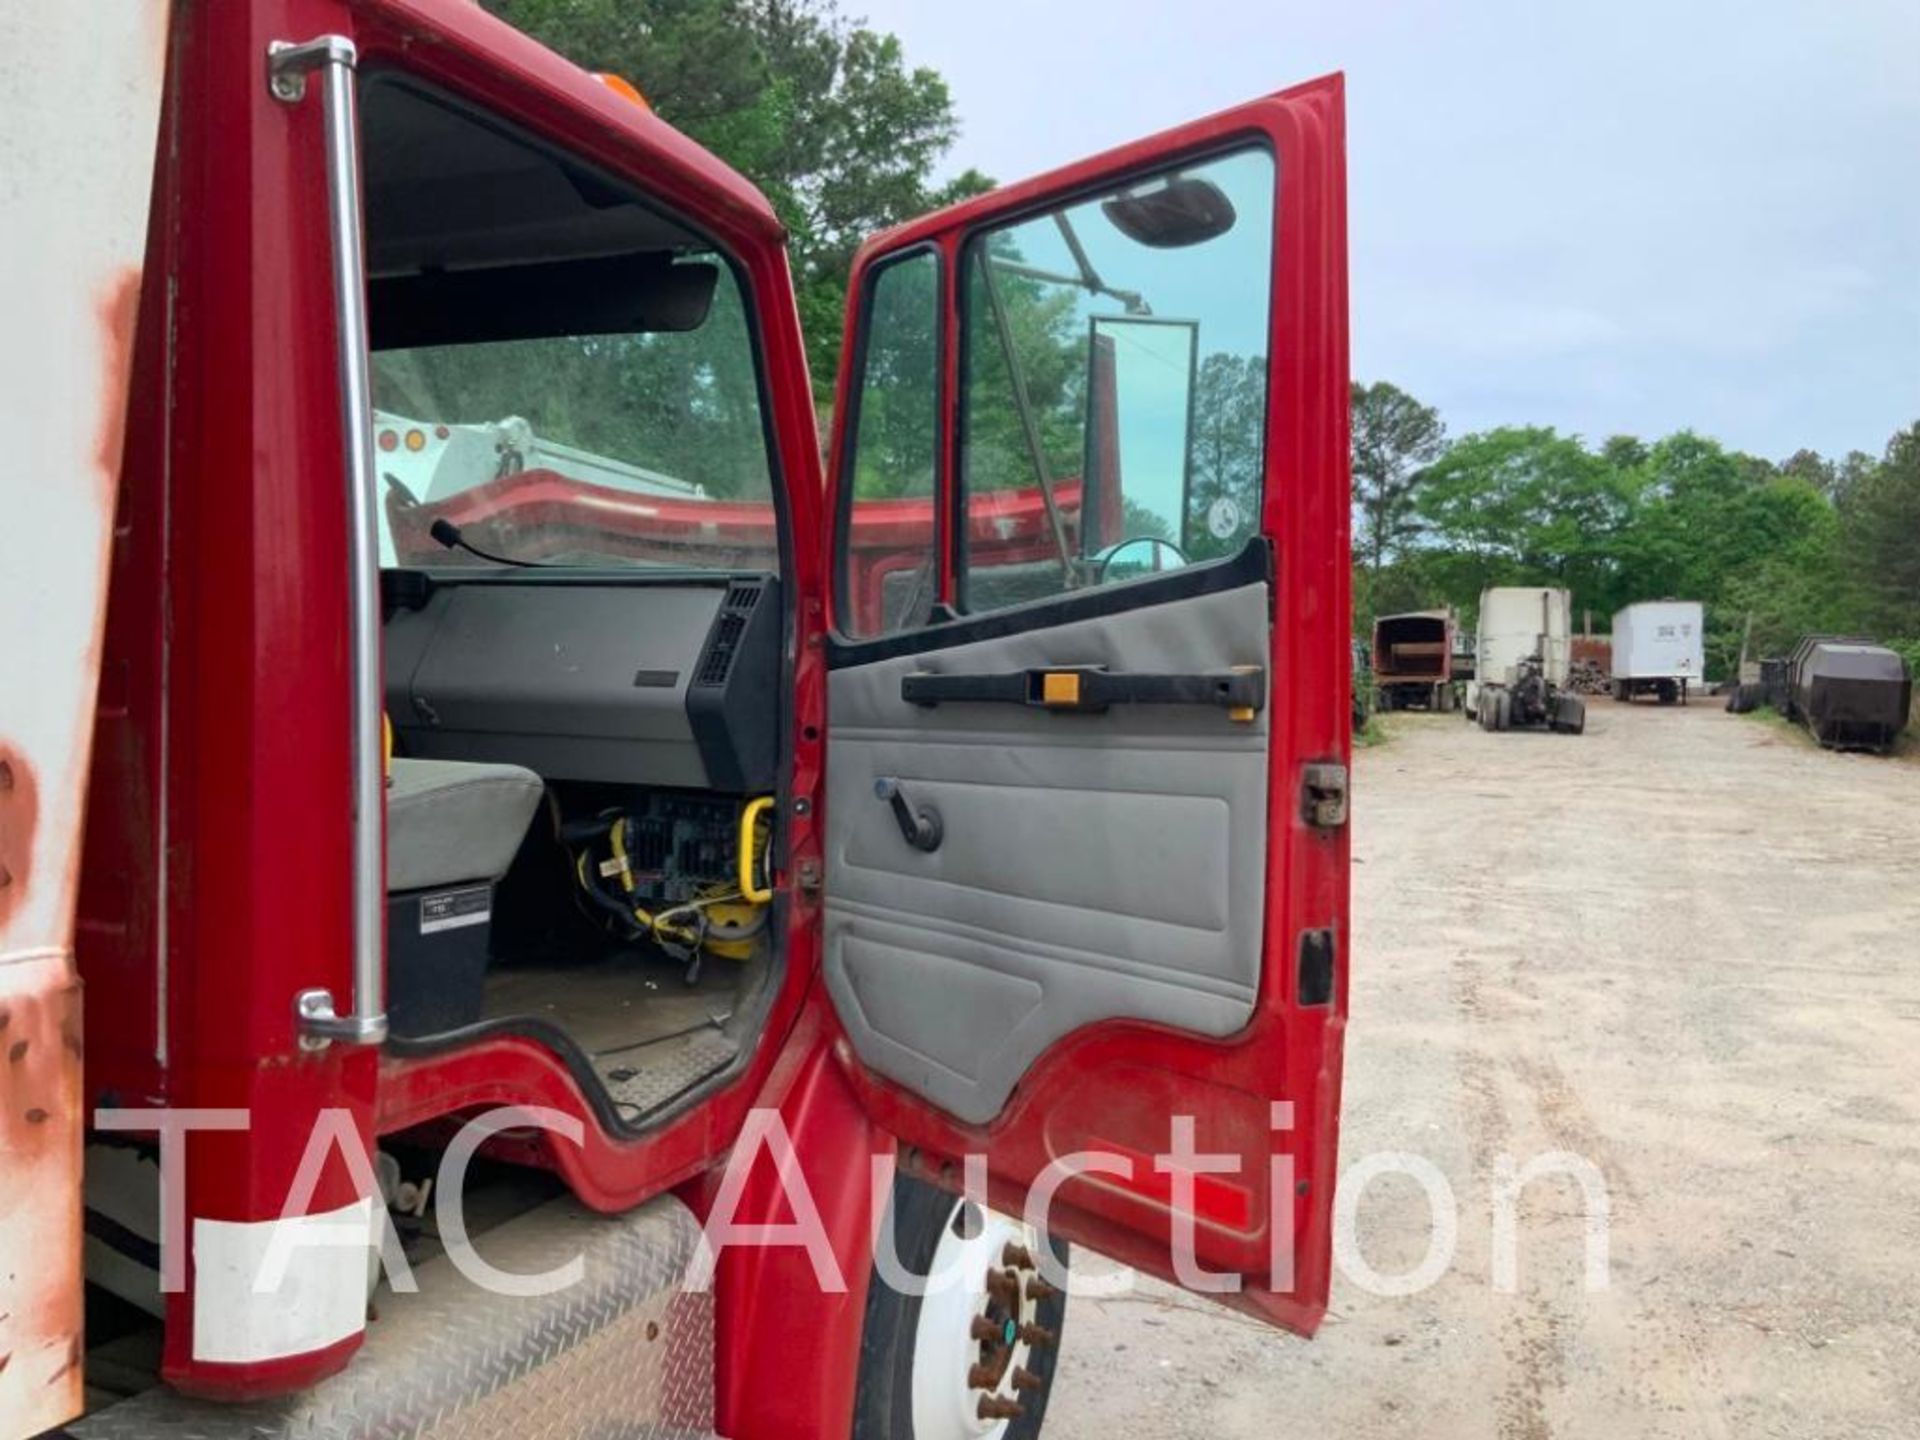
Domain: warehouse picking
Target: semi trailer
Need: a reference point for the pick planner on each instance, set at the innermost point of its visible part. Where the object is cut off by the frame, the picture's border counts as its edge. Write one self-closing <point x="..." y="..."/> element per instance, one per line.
<point x="563" y="948"/>
<point x="1523" y="662"/>
<point x="1413" y="660"/>
<point x="1658" y="649"/>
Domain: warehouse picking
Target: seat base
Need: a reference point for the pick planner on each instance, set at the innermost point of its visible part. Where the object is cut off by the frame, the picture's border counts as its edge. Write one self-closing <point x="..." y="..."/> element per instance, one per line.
<point x="451" y="822"/>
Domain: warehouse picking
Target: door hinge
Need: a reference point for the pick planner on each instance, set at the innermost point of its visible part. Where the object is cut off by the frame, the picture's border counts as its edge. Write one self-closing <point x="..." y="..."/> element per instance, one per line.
<point x="1323" y="794"/>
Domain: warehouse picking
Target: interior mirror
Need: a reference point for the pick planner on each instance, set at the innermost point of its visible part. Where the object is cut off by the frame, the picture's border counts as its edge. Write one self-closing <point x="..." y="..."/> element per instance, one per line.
<point x="1168" y="214"/>
<point x="1140" y="390"/>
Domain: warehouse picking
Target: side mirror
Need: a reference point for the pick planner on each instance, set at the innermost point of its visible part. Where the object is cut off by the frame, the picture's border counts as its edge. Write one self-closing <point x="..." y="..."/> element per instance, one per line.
<point x="1140" y="394"/>
<point x="1172" y="213"/>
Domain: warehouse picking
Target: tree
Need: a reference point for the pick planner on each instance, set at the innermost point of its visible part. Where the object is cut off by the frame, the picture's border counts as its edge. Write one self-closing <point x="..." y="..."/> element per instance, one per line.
<point x="1624" y="452"/>
<point x="1229" y="423"/>
<point x="1880" y="526"/>
<point x="823" y="114"/>
<point x="1524" y="505"/>
<point x="1394" y="437"/>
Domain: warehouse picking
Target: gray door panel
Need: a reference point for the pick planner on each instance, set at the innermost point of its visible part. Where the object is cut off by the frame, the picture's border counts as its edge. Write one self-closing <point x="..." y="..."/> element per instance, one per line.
<point x="1093" y="867"/>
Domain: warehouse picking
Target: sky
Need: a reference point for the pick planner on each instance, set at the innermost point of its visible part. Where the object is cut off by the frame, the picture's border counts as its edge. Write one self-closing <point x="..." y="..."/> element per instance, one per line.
<point x="1602" y="215"/>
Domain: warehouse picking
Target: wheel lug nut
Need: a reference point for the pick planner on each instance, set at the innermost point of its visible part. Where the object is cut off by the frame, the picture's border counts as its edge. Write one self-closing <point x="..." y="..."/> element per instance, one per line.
<point x="1038" y="1336"/>
<point x="982" y="1377"/>
<point x="1038" y="1290"/>
<point x="985" y="1331"/>
<point x="1018" y="1256"/>
<point x="1024" y="1379"/>
<point x="992" y="1407"/>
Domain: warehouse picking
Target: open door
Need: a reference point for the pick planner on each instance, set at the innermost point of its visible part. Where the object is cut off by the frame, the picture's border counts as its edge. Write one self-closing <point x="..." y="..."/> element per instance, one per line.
<point x="1086" y="881"/>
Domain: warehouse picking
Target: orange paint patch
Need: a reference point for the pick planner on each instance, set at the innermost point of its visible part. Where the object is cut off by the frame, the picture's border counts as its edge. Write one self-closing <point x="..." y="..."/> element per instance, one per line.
<point x="19" y="813"/>
<point x="40" y="1140"/>
<point x="118" y="310"/>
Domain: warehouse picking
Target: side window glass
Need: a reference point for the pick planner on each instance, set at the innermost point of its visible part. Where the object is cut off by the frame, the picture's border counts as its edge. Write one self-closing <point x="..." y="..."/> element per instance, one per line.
<point x="889" y="571"/>
<point x="1114" y="398"/>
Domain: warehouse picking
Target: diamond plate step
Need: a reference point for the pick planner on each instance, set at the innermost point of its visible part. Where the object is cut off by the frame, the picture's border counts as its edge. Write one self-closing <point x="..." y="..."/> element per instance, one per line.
<point x="622" y="1355"/>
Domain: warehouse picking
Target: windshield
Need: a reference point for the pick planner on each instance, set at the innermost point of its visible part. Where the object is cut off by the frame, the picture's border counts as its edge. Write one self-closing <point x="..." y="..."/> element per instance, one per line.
<point x="563" y="370"/>
<point x="580" y="449"/>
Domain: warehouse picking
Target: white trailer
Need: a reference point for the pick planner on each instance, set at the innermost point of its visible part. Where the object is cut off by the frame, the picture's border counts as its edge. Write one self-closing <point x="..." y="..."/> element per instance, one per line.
<point x="1658" y="649"/>
<point x="1522" y="660"/>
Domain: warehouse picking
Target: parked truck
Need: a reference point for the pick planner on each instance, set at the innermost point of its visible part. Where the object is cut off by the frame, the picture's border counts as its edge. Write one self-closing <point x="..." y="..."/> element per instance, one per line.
<point x="1413" y="660"/>
<point x="1658" y="649"/>
<point x="1524" y="657"/>
<point x="541" y="934"/>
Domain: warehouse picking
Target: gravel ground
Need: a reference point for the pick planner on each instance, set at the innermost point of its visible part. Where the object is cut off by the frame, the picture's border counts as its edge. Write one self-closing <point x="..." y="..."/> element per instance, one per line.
<point x="1685" y="946"/>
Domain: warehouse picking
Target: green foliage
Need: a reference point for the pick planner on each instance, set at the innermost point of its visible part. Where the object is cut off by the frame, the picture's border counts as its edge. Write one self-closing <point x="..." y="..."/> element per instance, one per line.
<point x="1514" y="504"/>
<point x="1879" y="511"/>
<point x="1049" y="341"/>
<point x="897" y="449"/>
<point x="683" y="403"/>
<point x="1375" y="731"/>
<point x="1229" y="423"/>
<point x="1394" y="435"/>
<point x="823" y="114"/>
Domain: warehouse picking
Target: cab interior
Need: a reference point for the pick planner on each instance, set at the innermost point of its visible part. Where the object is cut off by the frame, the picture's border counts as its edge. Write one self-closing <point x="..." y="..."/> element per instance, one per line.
<point x="584" y="623"/>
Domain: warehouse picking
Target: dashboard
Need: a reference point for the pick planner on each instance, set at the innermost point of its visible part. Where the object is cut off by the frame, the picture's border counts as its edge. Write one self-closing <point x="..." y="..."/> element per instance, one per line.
<point x="632" y="679"/>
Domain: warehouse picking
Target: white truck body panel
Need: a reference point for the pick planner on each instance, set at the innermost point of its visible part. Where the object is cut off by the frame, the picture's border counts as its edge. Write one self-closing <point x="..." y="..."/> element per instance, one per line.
<point x="81" y="113"/>
<point x="1521" y="620"/>
<point x="1660" y="640"/>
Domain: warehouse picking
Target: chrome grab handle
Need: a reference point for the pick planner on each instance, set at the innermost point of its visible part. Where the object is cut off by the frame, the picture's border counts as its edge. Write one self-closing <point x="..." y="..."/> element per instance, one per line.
<point x="334" y="59"/>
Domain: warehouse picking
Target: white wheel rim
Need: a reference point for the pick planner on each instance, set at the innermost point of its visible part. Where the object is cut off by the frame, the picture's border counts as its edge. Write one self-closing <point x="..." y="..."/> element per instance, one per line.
<point x="945" y="1405"/>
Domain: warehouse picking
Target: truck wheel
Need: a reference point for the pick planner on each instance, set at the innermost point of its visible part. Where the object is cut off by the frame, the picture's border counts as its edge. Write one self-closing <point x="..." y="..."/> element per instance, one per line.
<point x="925" y="1360"/>
<point x="1502" y="711"/>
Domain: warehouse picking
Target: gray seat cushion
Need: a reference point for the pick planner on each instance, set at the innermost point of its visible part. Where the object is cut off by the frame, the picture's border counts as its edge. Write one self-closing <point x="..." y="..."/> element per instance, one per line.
<point x="450" y="821"/>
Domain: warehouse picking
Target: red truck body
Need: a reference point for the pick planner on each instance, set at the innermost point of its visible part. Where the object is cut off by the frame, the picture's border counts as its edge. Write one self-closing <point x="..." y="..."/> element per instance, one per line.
<point x="216" y="880"/>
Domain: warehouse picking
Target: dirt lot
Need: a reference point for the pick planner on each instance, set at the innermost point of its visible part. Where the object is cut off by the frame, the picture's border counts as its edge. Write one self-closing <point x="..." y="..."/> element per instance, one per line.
<point x="1685" y="946"/>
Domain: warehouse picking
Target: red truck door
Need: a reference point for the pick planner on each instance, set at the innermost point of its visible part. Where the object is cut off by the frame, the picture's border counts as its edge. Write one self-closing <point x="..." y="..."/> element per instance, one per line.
<point x="1086" y="873"/>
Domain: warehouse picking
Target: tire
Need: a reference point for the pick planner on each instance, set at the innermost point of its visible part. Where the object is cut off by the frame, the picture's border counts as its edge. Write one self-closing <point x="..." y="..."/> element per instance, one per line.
<point x="1502" y="711"/>
<point x="900" y="1331"/>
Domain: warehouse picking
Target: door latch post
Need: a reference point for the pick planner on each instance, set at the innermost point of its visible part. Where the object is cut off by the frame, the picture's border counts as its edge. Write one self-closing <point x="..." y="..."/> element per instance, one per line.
<point x="1323" y="794"/>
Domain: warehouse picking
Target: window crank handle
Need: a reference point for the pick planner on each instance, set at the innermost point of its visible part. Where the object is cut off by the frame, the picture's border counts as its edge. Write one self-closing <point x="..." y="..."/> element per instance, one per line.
<point x="919" y="824"/>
